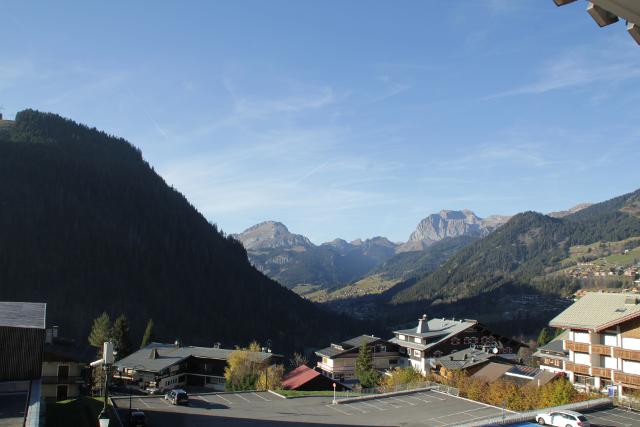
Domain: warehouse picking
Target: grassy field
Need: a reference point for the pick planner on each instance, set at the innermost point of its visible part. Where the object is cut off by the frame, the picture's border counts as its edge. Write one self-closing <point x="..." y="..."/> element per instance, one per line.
<point x="369" y="285"/>
<point x="624" y="259"/>
<point x="81" y="412"/>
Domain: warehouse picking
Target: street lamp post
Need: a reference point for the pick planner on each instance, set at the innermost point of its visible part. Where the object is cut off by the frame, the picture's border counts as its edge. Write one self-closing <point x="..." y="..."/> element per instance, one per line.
<point x="133" y="375"/>
<point x="107" y="361"/>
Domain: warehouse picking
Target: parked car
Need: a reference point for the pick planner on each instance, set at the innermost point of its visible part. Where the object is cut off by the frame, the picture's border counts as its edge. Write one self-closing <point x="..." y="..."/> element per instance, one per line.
<point x="177" y="397"/>
<point x="137" y="418"/>
<point x="152" y="390"/>
<point x="562" y="419"/>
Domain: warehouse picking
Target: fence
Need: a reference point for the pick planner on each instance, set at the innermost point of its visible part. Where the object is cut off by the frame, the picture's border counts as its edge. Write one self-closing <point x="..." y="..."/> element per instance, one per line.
<point x="400" y="388"/>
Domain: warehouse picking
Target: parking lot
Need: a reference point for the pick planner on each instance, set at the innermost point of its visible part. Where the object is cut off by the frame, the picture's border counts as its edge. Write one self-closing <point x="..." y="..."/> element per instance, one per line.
<point x="426" y="408"/>
<point x="614" y="417"/>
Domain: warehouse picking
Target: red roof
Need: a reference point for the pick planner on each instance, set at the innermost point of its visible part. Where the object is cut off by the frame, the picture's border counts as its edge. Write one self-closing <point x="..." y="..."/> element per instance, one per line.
<point x="299" y="376"/>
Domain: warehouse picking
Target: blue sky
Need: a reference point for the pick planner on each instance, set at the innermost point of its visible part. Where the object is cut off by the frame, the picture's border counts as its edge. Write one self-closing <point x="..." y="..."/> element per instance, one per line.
<point x="342" y="118"/>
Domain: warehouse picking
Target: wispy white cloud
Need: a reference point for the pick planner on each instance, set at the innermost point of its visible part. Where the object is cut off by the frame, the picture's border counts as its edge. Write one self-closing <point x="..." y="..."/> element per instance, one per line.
<point x="581" y="67"/>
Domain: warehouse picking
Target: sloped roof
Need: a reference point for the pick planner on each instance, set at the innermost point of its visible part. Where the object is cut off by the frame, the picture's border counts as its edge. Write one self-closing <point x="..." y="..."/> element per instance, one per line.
<point x="165" y="355"/>
<point x="23" y="314"/>
<point x="299" y="376"/>
<point x="554" y="346"/>
<point x="596" y="311"/>
<point x="491" y="372"/>
<point x="440" y="327"/>
<point x="464" y="359"/>
<point x="345" y="346"/>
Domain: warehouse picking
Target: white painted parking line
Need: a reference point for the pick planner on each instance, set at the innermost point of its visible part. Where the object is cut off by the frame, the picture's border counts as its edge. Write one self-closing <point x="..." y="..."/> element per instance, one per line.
<point x="432" y="396"/>
<point x="386" y="402"/>
<point x="626" y="415"/>
<point x="373" y="406"/>
<point x="609" y="420"/>
<point x="165" y="402"/>
<point x="224" y="398"/>
<point x="144" y="403"/>
<point x="403" y="401"/>
<point x="257" y="395"/>
<point x="241" y="397"/>
<point x="418" y="399"/>
<point x="335" y="407"/>
<point x="205" y="399"/>
<point x="351" y="406"/>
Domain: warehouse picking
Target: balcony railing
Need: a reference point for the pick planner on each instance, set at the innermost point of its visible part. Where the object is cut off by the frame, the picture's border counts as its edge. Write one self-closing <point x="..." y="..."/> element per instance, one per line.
<point x="577" y="346"/>
<point x="577" y="368"/>
<point x="626" y="354"/>
<point x="601" y="349"/>
<point x="601" y="372"/>
<point x="621" y="377"/>
<point x="62" y="380"/>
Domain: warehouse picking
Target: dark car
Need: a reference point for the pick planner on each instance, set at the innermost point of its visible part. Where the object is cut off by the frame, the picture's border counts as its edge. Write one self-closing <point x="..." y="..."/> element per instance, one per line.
<point x="137" y="419"/>
<point x="177" y="397"/>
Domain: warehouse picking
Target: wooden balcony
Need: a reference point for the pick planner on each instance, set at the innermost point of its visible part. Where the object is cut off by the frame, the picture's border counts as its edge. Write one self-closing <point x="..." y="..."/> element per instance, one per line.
<point x="621" y="377"/>
<point x="578" y="369"/>
<point x="626" y="354"/>
<point x="601" y="372"/>
<point x="577" y="346"/>
<point x="601" y="349"/>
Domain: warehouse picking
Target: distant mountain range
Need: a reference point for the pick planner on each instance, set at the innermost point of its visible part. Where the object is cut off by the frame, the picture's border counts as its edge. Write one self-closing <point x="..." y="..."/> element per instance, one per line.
<point x="293" y="260"/>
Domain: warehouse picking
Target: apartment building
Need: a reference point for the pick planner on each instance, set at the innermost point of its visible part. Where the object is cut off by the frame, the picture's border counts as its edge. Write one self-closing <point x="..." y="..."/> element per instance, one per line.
<point x="338" y="361"/>
<point x="603" y="341"/>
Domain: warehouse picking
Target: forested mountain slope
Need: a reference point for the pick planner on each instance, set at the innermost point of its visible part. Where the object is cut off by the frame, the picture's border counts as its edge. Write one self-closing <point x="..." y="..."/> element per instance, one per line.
<point x="86" y="225"/>
<point x="524" y="249"/>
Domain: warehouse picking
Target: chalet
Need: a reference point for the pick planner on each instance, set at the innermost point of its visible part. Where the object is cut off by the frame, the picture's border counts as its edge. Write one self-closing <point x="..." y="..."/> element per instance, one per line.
<point x="64" y="368"/>
<point x="602" y="341"/>
<point x="551" y="357"/>
<point x="165" y="366"/>
<point x="437" y="337"/>
<point x="518" y="374"/>
<point x="306" y="379"/>
<point x="338" y="361"/>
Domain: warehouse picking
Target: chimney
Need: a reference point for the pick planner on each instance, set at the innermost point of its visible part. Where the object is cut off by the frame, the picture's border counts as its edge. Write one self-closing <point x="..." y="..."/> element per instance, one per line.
<point x="54" y="332"/>
<point x="154" y="354"/>
<point x="49" y="336"/>
<point x="177" y="343"/>
<point x="423" y="325"/>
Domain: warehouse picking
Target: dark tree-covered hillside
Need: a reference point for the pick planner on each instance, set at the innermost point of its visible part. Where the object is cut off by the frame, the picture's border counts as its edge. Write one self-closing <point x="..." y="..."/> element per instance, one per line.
<point x="87" y="226"/>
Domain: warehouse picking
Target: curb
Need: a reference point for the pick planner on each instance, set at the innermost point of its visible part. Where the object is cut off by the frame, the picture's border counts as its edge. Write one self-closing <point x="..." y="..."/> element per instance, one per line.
<point x="277" y="394"/>
<point x="379" y="396"/>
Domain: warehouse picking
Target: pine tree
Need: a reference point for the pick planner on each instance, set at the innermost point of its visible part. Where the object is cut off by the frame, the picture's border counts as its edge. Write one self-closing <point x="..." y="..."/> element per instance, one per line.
<point x="120" y="337"/>
<point x="365" y="371"/>
<point x="100" y="332"/>
<point x="544" y="337"/>
<point x="148" y="334"/>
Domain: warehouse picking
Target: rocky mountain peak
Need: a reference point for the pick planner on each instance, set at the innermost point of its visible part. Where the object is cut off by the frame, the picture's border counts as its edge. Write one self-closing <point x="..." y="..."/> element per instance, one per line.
<point x="450" y="223"/>
<point x="270" y="235"/>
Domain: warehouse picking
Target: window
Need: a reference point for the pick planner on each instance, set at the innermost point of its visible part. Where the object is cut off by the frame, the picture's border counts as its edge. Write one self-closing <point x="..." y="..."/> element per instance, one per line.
<point x="582" y="358"/>
<point x="393" y="361"/>
<point x="402" y="337"/>
<point x="417" y="340"/>
<point x="483" y="340"/>
<point x="584" y="380"/>
<point x="455" y="341"/>
<point x="473" y="340"/>
<point x="416" y="353"/>
<point x="630" y="343"/>
<point x="325" y="360"/>
<point x="437" y="353"/>
<point x="610" y="340"/>
<point x="466" y="340"/>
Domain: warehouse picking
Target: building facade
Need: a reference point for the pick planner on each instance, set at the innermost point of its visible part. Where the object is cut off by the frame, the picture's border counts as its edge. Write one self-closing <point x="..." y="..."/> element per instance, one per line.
<point x="602" y="341"/>
<point x="435" y="338"/>
<point x="166" y="366"/>
<point x="64" y="368"/>
<point x="338" y="361"/>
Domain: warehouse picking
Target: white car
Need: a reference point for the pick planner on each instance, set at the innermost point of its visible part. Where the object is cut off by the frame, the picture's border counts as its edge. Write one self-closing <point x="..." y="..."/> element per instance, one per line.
<point x="562" y="419"/>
